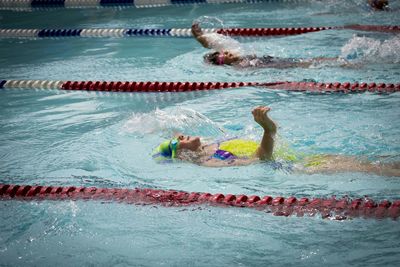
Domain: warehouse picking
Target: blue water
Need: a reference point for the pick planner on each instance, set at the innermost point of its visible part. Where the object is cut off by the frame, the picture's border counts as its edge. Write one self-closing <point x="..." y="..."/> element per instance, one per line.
<point x="106" y="139"/>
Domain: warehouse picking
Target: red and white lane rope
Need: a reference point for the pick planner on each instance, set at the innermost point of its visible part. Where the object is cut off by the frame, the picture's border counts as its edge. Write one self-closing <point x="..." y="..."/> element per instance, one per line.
<point x="279" y="206"/>
<point x="159" y="86"/>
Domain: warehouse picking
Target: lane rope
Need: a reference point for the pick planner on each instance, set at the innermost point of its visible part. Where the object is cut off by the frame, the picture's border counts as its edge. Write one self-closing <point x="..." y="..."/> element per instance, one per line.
<point x="280" y="206"/>
<point x="148" y="32"/>
<point x="180" y="32"/>
<point x="40" y="4"/>
<point x="160" y="87"/>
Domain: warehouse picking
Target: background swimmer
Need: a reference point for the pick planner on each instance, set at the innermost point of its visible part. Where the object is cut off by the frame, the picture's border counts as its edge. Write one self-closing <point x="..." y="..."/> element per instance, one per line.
<point x="228" y="56"/>
<point x="236" y="152"/>
<point x="379" y="4"/>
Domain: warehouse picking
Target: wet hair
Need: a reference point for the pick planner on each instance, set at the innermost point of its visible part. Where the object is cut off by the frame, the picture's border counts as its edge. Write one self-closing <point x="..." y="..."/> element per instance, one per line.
<point x="212" y="58"/>
<point x="379" y="4"/>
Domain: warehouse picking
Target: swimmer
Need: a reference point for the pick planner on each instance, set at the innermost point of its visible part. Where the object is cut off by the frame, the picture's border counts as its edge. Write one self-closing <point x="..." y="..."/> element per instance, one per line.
<point x="191" y="149"/>
<point x="239" y="152"/>
<point x="379" y="4"/>
<point x="229" y="57"/>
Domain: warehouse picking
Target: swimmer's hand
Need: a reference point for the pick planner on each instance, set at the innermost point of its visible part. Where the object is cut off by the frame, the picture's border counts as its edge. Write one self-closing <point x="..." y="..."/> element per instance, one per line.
<point x="196" y="30"/>
<point x="198" y="34"/>
<point x="260" y="115"/>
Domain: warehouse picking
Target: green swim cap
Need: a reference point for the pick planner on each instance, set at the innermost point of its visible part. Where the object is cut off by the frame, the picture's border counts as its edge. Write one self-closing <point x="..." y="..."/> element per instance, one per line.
<point x="167" y="149"/>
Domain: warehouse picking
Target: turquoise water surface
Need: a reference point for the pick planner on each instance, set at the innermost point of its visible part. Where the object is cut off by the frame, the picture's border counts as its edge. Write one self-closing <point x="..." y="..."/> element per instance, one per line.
<point x="106" y="139"/>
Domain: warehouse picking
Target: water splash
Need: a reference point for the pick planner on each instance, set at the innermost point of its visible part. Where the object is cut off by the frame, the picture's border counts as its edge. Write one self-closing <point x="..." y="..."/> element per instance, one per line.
<point x="172" y="120"/>
<point x="369" y="50"/>
<point x="217" y="41"/>
<point x="209" y="22"/>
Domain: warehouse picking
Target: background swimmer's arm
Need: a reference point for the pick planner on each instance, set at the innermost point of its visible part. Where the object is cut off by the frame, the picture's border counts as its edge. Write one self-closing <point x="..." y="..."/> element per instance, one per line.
<point x="264" y="151"/>
<point x="198" y="34"/>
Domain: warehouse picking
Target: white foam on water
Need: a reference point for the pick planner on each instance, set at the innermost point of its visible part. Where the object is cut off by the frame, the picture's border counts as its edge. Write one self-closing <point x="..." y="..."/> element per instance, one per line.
<point x="368" y="50"/>
<point x="172" y="120"/>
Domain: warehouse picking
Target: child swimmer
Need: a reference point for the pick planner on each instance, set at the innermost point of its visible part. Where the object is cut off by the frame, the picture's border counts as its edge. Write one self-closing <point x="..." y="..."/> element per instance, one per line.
<point x="240" y="152"/>
<point x="228" y="56"/>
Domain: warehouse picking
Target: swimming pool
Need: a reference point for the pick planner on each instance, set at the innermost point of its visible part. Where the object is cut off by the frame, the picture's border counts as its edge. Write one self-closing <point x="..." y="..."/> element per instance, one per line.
<point x="106" y="139"/>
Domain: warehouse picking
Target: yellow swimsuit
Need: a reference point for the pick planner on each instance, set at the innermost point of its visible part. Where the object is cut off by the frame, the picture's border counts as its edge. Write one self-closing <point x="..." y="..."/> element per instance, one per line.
<point x="240" y="148"/>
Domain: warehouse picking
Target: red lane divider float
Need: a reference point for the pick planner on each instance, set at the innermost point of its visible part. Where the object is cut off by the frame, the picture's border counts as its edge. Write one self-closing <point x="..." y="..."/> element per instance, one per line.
<point x="328" y="208"/>
<point x="159" y="87"/>
<point x="196" y="86"/>
<point x="373" y="28"/>
<point x="345" y="87"/>
<point x="254" y="32"/>
<point x="151" y="86"/>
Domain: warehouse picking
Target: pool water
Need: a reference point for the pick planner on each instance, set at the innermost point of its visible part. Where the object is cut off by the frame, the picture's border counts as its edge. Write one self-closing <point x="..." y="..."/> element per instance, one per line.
<point x="106" y="139"/>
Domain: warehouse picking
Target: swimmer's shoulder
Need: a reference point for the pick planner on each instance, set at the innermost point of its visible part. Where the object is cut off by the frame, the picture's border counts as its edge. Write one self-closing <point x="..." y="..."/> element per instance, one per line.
<point x="210" y="148"/>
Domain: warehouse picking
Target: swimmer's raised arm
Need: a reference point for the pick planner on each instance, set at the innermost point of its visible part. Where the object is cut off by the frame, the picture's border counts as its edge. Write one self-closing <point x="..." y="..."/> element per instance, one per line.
<point x="198" y="34"/>
<point x="264" y="151"/>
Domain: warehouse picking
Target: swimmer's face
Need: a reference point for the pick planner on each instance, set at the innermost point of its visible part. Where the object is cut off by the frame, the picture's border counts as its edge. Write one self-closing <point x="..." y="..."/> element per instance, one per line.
<point x="229" y="57"/>
<point x="188" y="142"/>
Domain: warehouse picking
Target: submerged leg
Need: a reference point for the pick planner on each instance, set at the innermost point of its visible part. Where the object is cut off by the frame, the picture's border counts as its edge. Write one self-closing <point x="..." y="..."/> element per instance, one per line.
<point x="338" y="163"/>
